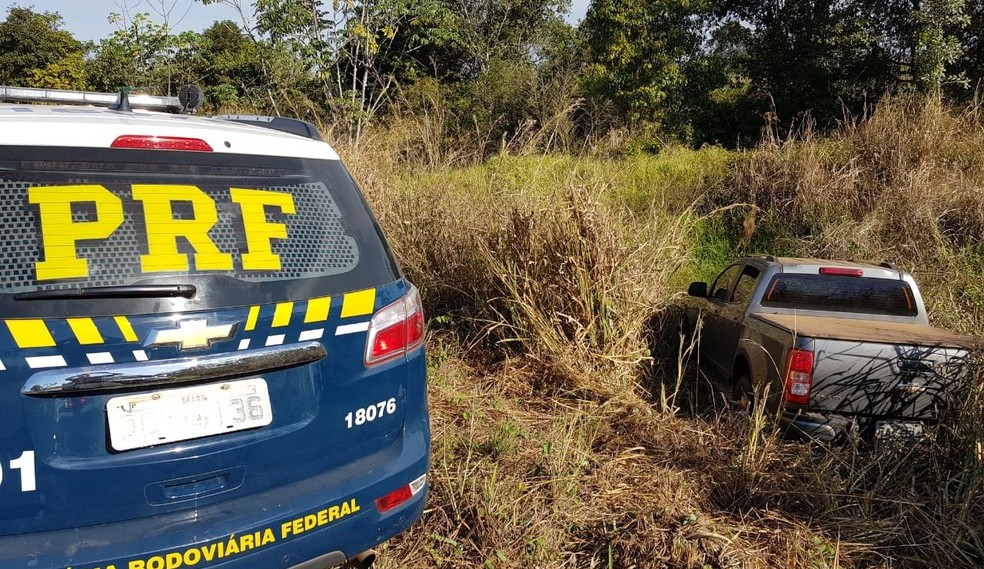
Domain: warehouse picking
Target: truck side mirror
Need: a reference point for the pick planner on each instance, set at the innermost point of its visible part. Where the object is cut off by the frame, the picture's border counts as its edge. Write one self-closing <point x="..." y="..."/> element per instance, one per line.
<point x="698" y="289"/>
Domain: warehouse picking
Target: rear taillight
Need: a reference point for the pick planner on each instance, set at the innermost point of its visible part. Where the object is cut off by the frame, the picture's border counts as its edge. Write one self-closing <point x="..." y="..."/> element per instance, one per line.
<point x="400" y="495"/>
<point x="396" y="329"/>
<point x="144" y="142"/>
<point x="799" y="376"/>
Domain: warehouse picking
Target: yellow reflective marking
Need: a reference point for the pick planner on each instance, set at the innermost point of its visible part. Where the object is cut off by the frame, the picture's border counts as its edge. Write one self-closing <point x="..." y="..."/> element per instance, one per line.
<point x="85" y="330"/>
<point x="358" y="303"/>
<point x="128" y="334"/>
<point x="30" y="333"/>
<point x="259" y="231"/>
<point x="163" y="229"/>
<point x="317" y="309"/>
<point x="281" y="316"/>
<point x="60" y="233"/>
<point x="254" y="314"/>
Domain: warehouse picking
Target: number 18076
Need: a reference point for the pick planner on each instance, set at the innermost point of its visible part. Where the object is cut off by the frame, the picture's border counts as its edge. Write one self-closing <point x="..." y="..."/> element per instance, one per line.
<point x="371" y="413"/>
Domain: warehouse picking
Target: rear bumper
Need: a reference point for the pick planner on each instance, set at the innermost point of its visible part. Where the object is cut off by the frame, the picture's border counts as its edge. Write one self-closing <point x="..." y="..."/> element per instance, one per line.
<point x="835" y="428"/>
<point x="331" y="516"/>
<point x="812" y="426"/>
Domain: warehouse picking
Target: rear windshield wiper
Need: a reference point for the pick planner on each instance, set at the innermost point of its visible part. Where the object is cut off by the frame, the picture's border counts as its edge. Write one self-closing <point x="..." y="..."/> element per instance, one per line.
<point x="132" y="291"/>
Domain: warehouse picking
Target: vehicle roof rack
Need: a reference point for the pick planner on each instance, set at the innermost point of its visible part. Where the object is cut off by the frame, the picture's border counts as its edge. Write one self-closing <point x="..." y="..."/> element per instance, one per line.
<point x="108" y="100"/>
<point x="283" y="124"/>
<point x="888" y="265"/>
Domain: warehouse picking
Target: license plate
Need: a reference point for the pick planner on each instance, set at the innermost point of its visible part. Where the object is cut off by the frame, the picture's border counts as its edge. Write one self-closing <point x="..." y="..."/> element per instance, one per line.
<point x="888" y="430"/>
<point x="170" y="415"/>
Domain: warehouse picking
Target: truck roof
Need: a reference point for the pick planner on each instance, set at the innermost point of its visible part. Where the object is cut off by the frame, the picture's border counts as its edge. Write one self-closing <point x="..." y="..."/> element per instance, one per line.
<point x="95" y="127"/>
<point x="812" y="265"/>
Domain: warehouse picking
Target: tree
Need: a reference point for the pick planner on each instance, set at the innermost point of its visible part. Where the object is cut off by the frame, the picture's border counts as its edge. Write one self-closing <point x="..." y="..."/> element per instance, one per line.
<point x="815" y="57"/>
<point x="637" y="53"/>
<point x="970" y="63"/>
<point x="504" y="30"/>
<point x="133" y="55"/>
<point x="225" y="63"/>
<point x="35" y="51"/>
<point x="937" y="46"/>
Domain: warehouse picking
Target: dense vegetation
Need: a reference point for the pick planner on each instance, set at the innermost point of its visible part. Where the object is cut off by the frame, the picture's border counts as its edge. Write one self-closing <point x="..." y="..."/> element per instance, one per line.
<point x="548" y="189"/>
<point x="514" y="73"/>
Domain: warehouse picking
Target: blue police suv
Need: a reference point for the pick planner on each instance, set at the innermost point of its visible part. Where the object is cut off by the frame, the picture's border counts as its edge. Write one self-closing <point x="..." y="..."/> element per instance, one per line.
<point x="208" y="355"/>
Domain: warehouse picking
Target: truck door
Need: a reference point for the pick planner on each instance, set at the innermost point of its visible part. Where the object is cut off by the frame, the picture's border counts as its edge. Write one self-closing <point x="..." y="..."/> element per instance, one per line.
<point x="712" y="334"/>
<point x="733" y="314"/>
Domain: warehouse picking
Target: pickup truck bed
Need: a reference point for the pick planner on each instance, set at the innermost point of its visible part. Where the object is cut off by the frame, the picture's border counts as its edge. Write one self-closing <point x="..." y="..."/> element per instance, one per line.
<point x="873" y="368"/>
<point x="848" y="329"/>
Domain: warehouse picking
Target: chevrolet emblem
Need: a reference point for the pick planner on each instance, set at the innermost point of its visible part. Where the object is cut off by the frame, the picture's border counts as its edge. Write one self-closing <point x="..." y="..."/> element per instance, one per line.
<point x="191" y="334"/>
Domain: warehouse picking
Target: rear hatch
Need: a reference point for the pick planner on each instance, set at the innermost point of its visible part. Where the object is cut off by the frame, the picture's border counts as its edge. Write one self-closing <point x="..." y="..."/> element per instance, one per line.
<point x="885" y="381"/>
<point x="181" y="328"/>
<point x="878" y="368"/>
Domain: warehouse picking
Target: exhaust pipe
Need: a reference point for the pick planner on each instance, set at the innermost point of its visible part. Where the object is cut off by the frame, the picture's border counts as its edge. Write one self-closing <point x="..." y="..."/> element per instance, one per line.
<point x="364" y="560"/>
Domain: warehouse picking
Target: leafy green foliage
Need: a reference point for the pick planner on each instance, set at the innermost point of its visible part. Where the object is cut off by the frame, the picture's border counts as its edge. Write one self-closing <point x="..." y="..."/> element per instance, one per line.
<point x="227" y="64"/>
<point x="135" y="54"/>
<point x="937" y="48"/>
<point x="489" y="76"/>
<point x="636" y="49"/>
<point x="35" y="51"/>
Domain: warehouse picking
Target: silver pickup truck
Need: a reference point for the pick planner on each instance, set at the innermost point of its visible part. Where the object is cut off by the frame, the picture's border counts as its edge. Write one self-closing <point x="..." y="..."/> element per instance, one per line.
<point x="845" y="348"/>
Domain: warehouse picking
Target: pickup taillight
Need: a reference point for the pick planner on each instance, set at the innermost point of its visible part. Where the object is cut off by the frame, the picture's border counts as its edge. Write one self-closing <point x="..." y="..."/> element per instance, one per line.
<point x="799" y="376"/>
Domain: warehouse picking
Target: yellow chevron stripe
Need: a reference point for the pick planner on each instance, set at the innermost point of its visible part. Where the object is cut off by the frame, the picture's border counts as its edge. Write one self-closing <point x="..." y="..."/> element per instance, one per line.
<point x="128" y="334"/>
<point x="317" y="309"/>
<point x="30" y="333"/>
<point x="85" y="330"/>
<point x="358" y="303"/>
<point x="282" y="314"/>
<point x="254" y="314"/>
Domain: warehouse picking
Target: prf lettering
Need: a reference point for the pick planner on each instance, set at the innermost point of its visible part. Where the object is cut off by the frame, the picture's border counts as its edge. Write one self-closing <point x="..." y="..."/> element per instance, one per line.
<point x="61" y="234"/>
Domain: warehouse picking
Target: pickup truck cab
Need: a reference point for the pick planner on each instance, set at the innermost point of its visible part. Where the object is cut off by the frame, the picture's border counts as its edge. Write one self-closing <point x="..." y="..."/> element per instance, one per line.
<point x="208" y="354"/>
<point x="846" y="348"/>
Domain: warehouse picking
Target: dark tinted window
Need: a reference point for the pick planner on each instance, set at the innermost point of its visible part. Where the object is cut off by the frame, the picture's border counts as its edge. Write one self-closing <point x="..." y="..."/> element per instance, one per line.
<point x="242" y="229"/>
<point x="746" y="285"/>
<point x="840" y="294"/>
<point x="721" y="289"/>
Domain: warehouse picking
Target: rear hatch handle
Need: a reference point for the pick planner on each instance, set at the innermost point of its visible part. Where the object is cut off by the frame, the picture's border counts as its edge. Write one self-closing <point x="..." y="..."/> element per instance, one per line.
<point x="140" y="375"/>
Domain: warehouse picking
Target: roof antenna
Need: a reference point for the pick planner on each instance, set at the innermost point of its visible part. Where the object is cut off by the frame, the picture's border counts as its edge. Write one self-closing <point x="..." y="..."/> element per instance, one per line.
<point x="123" y="101"/>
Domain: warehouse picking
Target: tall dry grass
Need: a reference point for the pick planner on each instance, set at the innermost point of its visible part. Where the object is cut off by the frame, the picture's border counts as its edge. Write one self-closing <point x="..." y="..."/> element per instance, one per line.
<point x="570" y="430"/>
<point x="532" y="257"/>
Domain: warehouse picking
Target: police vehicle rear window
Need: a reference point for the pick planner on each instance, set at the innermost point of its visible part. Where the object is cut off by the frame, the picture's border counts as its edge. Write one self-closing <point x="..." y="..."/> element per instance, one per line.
<point x="840" y="294"/>
<point x="241" y="228"/>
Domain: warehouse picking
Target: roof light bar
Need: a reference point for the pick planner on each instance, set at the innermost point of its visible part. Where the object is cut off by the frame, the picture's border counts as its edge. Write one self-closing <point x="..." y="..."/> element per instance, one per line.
<point x="32" y="95"/>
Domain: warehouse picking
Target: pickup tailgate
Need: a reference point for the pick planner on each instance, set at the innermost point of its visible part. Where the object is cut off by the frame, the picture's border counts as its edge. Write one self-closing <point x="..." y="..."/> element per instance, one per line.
<point x="877" y="368"/>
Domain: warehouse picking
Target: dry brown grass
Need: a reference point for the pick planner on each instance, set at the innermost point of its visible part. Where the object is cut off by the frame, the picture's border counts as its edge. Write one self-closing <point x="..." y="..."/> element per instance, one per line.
<point x="523" y="480"/>
<point x="568" y="431"/>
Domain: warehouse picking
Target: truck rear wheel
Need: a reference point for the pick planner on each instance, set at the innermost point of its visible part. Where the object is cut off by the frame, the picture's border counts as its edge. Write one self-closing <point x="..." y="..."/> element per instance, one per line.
<point x="742" y="392"/>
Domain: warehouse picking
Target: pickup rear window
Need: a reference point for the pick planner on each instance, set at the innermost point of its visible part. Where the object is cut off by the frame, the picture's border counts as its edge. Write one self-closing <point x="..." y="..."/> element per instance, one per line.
<point x="840" y="294"/>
